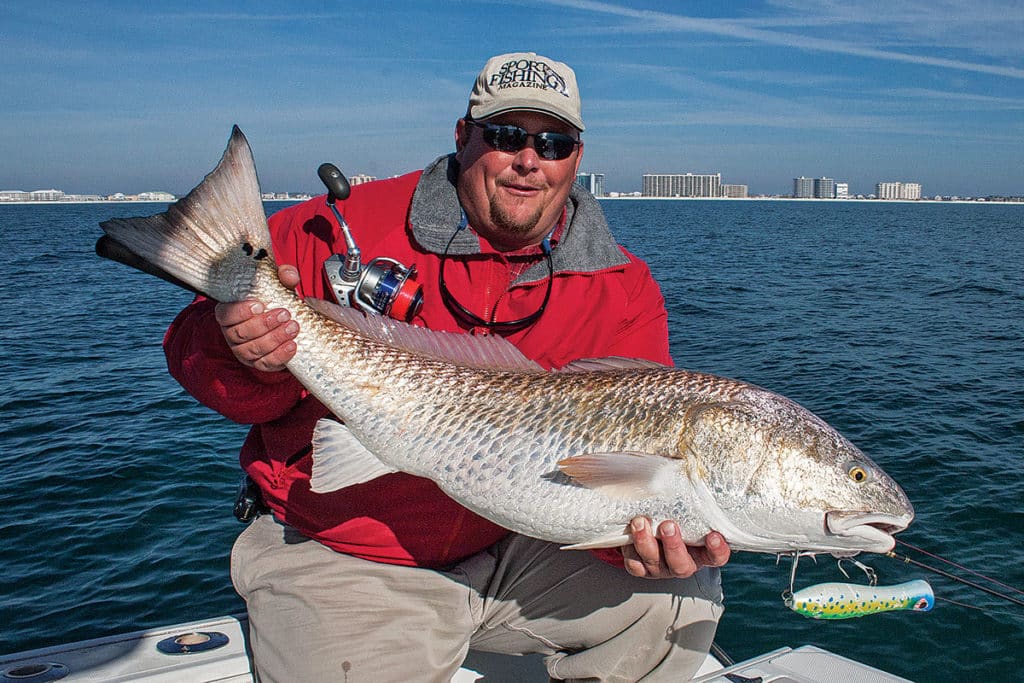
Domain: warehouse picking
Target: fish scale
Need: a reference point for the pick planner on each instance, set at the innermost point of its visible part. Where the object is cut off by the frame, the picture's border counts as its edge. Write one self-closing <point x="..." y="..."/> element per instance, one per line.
<point x="495" y="447"/>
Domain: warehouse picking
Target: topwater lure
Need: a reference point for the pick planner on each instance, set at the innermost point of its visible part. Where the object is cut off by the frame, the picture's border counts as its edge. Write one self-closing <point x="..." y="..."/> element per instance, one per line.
<point x="848" y="600"/>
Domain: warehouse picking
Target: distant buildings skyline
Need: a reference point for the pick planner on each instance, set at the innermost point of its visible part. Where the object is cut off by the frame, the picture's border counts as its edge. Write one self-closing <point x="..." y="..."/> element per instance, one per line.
<point x="53" y="195"/>
<point x="710" y="185"/>
<point x="654" y="185"/>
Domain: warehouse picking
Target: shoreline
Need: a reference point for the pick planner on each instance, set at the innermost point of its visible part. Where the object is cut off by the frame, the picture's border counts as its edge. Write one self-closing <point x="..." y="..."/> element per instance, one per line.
<point x="670" y="199"/>
<point x="981" y="202"/>
<point x="116" y="201"/>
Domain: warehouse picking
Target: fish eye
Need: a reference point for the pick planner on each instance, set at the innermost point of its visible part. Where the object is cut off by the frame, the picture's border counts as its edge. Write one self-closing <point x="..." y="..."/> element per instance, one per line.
<point x="857" y="472"/>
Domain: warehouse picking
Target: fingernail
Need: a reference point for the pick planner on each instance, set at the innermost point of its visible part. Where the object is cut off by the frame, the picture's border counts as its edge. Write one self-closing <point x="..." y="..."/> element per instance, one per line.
<point x="256" y="308"/>
<point x="292" y="328"/>
<point x="713" y="542"/>
<point x="668" y="530"/>
<point x="638" y="525"/>
<point x="283" y="317"/>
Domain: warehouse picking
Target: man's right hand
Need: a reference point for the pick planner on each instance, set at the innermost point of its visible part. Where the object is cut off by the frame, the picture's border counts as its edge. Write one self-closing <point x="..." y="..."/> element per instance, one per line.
<point x="260" y="339"/>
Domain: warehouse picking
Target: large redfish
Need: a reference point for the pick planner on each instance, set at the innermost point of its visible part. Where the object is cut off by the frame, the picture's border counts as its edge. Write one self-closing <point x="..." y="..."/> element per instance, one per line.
<point x="568" y="456"/>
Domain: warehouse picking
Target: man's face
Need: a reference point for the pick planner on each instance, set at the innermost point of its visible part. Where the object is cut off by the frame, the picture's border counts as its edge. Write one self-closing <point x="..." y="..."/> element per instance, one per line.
<point x="513" y="198"/>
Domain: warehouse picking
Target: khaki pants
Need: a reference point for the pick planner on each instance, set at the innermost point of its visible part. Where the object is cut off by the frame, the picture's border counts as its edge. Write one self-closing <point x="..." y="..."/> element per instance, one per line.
<point x="318" y="615"/>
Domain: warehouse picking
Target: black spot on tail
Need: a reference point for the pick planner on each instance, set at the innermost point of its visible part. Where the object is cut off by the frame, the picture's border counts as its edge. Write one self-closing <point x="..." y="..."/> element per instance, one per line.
<point x="259" y="255"/>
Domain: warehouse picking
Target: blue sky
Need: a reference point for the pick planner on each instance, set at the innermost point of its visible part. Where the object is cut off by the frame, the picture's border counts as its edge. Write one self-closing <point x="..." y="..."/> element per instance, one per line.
<point x="98" y="97"/>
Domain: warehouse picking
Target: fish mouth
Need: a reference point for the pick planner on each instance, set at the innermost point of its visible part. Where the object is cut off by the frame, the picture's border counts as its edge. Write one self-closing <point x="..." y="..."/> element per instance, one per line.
<point x="872" y="530"/>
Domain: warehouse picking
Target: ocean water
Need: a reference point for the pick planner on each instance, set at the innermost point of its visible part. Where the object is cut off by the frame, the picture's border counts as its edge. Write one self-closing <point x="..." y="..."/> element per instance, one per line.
<point x="900" y="324"/>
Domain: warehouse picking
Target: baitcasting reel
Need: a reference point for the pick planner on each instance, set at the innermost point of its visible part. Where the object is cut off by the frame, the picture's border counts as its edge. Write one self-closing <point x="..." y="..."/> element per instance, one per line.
<point x="381" y="287"/>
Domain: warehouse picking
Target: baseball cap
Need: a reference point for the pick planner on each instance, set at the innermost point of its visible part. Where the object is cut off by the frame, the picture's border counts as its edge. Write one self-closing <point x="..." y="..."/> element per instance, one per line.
<point x="520" y="81"/>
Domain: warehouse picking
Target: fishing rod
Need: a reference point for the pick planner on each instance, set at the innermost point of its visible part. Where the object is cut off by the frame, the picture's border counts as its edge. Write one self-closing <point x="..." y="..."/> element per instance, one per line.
<point x="908" y="560"/>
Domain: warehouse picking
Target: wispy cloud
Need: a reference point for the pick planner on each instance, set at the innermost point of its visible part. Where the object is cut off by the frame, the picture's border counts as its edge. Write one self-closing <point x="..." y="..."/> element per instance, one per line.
<point x="992" y="102"/>
<point x="650" y="20"/>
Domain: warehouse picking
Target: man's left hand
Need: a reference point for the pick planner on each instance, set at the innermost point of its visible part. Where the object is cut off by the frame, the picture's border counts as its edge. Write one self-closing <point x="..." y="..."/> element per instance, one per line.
<point x="665" y="556"/>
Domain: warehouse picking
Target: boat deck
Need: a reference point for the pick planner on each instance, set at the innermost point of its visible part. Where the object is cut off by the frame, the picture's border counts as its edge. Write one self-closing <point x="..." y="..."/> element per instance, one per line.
<point x="215" y="650"/>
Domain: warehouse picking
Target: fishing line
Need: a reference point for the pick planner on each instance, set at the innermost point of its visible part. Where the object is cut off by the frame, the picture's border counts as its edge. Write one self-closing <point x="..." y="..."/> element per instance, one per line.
<point x="986" y="610"/>
<point x="972" y="584"/>
<point x="959" y="566"/>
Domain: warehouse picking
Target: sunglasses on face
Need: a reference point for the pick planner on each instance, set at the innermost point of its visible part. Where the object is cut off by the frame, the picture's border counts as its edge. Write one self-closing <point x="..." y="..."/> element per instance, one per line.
<point x="511" y="139"/>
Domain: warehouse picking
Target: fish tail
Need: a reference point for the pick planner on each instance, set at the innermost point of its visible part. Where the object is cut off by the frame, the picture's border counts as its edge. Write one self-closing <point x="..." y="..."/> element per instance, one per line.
<point x="213" y="241"/>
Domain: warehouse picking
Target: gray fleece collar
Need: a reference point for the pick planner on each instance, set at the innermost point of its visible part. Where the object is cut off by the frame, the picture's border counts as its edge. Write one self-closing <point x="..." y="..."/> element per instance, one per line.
<point x="586" y="245"/>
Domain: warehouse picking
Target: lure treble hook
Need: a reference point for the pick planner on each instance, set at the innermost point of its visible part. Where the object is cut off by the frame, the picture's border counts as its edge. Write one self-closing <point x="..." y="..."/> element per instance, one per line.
<point x="796" y="554"/>
<point x="870" y="572"/>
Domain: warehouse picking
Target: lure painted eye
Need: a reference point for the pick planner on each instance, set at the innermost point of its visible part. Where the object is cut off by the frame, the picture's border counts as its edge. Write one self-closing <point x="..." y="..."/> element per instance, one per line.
<point x="857" y="473"/>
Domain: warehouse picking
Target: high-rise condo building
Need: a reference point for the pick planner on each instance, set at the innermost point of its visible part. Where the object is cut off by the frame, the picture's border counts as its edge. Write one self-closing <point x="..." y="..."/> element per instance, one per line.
<point x="824" y="188"/>
<point x="803" y="188"/>
<point x="898" y="190"/>
<point x="682" y="185"/>
<point x="593" y="182"/>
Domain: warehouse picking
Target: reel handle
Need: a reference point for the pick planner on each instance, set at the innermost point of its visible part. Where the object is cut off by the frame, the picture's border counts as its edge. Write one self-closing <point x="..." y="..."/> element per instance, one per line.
<point x="335" y="182"/>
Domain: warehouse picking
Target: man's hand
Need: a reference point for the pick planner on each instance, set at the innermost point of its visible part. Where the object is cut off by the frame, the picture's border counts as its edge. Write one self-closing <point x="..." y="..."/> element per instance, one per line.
<point x="259" y="338"/>
<point x="670" y="557"/>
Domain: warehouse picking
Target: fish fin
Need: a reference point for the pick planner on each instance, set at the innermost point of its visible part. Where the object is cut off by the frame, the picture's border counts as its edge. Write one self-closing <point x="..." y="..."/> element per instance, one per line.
<point x="213" y="239"/>
<point x="629" y="476"/>
<point x="612" y="540"/>
<point x="611" y="363"/>
<point x="485" y="351"/>
<point x="340" y="459"/>
<point x="109" y="248"/>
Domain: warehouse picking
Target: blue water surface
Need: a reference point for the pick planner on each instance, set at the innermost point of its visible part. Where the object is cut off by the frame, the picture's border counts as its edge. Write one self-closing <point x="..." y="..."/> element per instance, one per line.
<point x="900" y="324"/>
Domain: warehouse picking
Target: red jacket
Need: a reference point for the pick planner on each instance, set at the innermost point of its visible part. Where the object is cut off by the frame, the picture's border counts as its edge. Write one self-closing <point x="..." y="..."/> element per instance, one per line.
<point x="604" y="302"/>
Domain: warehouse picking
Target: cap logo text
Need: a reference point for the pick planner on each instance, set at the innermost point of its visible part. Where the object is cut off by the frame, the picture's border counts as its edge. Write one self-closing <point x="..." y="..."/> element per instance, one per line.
<point x="524" y="73"/>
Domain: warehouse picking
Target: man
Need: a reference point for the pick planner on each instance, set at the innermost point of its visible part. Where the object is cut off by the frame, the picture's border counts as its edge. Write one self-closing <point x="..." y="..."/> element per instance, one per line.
<point x="391" y="579"/>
